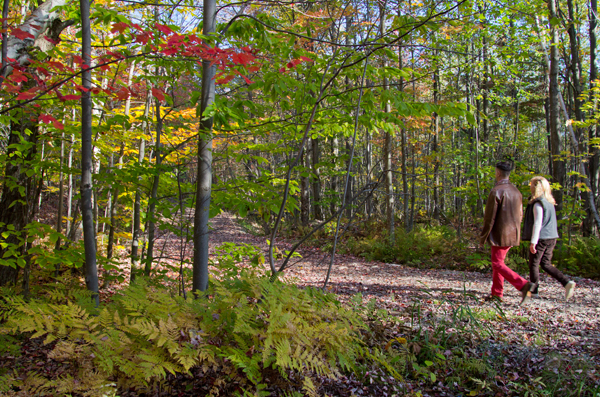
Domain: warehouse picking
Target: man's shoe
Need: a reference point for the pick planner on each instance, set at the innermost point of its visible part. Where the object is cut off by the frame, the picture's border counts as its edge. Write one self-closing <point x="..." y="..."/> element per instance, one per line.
<point x="493" y="299"/>
<point x="569" y="290"/>
<point x="526" y="293"/>
<point x="535" y="296"/>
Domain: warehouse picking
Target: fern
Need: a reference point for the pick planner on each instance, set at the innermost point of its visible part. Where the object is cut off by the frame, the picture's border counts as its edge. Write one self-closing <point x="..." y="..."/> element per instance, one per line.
<point x="244" y="322"/>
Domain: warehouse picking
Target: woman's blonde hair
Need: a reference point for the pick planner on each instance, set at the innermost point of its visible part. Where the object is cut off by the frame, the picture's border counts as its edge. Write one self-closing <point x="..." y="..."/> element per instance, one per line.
<point x="541" y="187"/>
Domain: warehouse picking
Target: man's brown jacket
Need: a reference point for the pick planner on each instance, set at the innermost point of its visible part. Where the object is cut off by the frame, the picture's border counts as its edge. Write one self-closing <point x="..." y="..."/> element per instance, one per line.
<point x="503" y="214"/>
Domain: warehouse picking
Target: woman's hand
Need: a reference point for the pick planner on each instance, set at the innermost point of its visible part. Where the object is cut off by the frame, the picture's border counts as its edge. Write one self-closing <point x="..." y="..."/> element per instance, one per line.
<point x="532" y="248"/>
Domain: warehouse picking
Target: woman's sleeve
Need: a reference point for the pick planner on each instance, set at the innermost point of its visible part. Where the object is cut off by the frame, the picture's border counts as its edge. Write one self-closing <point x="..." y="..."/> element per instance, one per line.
<point x="538" y="215"/>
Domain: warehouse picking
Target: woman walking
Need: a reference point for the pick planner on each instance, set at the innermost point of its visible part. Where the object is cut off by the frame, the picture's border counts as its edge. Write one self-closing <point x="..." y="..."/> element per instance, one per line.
<point x="540" y="228"/>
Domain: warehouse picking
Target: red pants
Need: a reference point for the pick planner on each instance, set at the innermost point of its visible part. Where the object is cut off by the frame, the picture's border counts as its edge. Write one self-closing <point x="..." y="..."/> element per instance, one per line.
<point x="501" y="272"/>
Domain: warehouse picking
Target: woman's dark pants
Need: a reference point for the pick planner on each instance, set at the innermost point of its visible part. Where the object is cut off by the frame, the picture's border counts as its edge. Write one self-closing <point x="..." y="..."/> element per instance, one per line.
<point x="543" y="258"/>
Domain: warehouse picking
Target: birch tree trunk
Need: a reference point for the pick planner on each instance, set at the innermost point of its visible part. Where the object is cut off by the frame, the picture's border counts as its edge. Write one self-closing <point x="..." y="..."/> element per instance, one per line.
<point x="18" y="209"/>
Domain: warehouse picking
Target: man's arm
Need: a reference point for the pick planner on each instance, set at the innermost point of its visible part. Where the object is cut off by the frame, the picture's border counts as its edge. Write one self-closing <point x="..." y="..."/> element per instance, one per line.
<point x="490" y="216"/>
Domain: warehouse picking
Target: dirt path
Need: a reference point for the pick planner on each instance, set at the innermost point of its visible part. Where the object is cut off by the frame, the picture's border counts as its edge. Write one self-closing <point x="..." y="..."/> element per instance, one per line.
<point x="548" y="324"/>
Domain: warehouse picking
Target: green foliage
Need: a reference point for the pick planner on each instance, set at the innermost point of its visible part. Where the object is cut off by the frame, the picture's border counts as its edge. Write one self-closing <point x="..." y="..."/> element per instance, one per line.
<point x="243" y="327"/>
<point x="582" y="257"/>
<point x="421" y="244"/>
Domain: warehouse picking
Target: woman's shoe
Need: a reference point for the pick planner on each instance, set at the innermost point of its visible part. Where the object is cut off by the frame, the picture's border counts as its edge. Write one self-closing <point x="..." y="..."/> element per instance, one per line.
<point x="569" y="290"/>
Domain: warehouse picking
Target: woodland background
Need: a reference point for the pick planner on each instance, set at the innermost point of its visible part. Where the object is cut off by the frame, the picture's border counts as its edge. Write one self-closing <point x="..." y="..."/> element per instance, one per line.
<point x="368" y="128"/>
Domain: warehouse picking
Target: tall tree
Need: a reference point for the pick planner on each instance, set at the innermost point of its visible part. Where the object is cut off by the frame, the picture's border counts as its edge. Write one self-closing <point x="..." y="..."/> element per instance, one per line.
<point x="89" y="237"/>
<point x="558" y="164"/>
<point x="205" y="145"/>
<point x="20" y="188"/>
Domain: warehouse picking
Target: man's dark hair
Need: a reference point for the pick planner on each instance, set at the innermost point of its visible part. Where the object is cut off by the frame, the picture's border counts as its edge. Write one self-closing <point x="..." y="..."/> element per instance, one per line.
<point x="505" y="168"/>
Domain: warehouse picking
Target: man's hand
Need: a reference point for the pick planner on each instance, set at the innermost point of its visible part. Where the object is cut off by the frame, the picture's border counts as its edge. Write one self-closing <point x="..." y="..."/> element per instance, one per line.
<point x="532" y="249"/>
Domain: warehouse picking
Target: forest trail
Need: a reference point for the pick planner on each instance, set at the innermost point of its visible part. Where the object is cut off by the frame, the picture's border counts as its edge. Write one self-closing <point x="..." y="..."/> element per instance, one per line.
<point x="544" y="325"/>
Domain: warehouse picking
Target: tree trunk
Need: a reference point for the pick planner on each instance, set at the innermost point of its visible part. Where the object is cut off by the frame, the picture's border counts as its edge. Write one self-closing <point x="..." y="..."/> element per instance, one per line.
<point x="70" y="220"/>
<point x="594" y="152"/>
<point x="115" y="193"/>
<point x="204" y="182"/>
<point x="558" y="165"/>
<point x="17" y="208"/>
<point x="91" y="271"/>
<point x="348" y="197"/>
<point x="5" y="7"/>
<point x="316" y="158"/>
<point x="154" y="194"/>
<point x="387" y="154"/>
<point x="305" y="191"/>
<point x="436" y="157"/>
<point x="369" y="164"/>
<point x="335" y="150"/>
<point x="137" y="207"/>
<point x="16" y="205"/>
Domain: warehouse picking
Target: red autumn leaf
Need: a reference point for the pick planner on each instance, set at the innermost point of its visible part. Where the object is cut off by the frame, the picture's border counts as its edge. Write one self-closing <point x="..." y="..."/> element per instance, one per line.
<point x="119" y="27"/>
<point x="25" y="95"/>
<point x="143" y="38"/>
<point x="290" y="65"/>
<point x="282" y="70"/>
<point x="226" y="79"/>
<point x="96" y="90"/>
<point x="306" y="59"/>
<point x="58" y="125"/>
<point x="10" y="88"/>
<point x="43" y="71"/>
<point x="46" y="118"/>
<point x="242" y="58"/>
<point x="176" y="39"/>
<point x="81" y="88"/>
<point x="158" y="94"/>
<point x="252" y="69"/>
<point x="71" y="97"/>
<point x="55" y="42"/>
<point x="77" y="59"/>
<point x="59" y="95"/>
<point x="18" y="76"/>
<point x="56" y="65"/>
<point x="169" y="51"/>
<point x="21" y="35"/>
<point x="163" y="29"/>
<point x="122" y="94"/>
<point x="248" y="81"/>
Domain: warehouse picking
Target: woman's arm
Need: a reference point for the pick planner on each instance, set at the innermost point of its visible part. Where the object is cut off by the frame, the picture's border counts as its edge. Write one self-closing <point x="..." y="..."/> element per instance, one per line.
<point x="538" y="215"/>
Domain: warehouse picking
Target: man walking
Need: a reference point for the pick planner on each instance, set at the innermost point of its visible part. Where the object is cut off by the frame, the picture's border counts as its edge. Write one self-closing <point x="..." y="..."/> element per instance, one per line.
<point x="502" y="229"/>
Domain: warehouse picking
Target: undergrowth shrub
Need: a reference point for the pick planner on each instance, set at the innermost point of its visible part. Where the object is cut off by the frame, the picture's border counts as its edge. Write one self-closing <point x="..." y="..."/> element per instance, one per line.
<point x="582" y="257"/>
<point x="244" y="327"/>
<point x="422" y="243"/>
